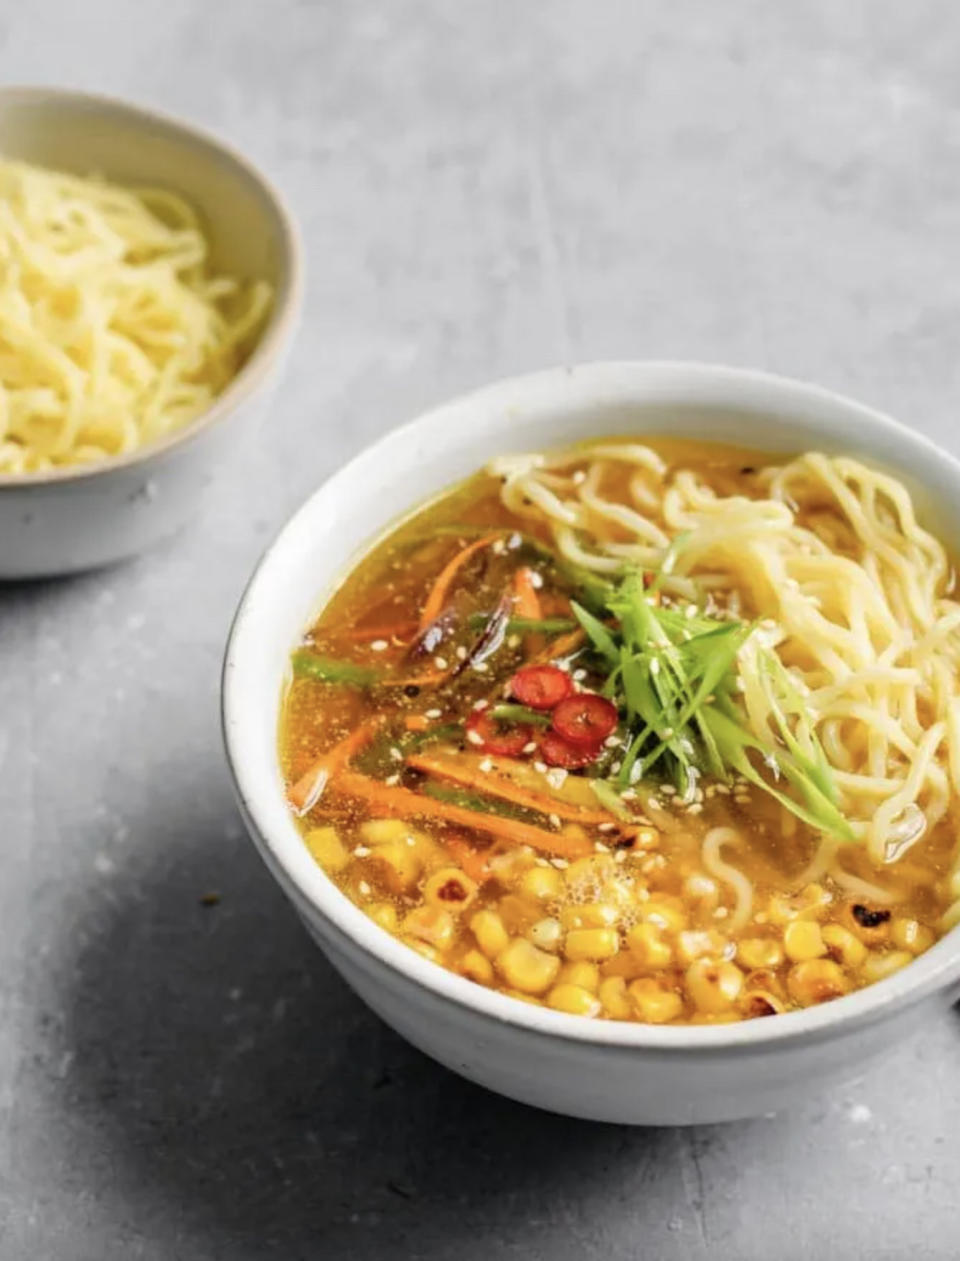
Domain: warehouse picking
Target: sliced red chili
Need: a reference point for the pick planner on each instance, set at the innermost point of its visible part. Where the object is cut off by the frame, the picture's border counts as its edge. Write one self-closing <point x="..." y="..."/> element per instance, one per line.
<point x="486" y="732"/>
<point x="556" y="751"/>
<point x="585" y="718"/>
<point x="541" y="687"/>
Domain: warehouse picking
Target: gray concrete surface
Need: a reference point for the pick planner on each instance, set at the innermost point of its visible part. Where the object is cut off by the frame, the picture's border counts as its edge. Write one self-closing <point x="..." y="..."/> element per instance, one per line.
<point x="484" y="188"/>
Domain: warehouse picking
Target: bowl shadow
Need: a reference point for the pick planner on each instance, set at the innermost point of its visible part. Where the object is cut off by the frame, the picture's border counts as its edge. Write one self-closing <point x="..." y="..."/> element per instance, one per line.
<point x="239" y="1085"/>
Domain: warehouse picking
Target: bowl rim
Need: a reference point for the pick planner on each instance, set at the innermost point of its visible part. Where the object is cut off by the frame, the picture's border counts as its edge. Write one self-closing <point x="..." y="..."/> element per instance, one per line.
<point x="287" y="300"/>
<point x="314" y="894"/>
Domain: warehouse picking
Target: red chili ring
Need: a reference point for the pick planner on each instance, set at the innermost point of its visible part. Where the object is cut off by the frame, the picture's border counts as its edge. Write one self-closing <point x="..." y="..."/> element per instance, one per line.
<point x="556" y="751"/>
<point x="541" y="687"/>
<point x="585" y="718"/>
<point x="495" y="737"/>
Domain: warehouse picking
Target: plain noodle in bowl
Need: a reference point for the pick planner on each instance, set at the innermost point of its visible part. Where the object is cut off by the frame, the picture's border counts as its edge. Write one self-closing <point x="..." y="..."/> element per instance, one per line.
<point x="113" y="331"/>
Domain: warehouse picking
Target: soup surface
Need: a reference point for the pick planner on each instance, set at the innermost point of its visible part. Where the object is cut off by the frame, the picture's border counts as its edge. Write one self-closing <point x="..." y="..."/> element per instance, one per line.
<point x="663" y="733"/>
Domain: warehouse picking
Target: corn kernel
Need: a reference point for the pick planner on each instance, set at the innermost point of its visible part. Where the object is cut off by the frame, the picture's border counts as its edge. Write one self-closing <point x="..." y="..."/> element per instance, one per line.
<point x="810" y="903"/>
<point x="653" y="1003"/>
<point x="613" y="997"/>
<point x="878" y="966"/>
<point x="647" y="944"/>
<point x="327" y="848"/>
<point x="488" y="928"/>
<point x="842" y="945"/>
<point x="518" y="913"/>
<point x="546" y="933"/>
<point x="384" y="914"/>
<point x="802" y="939"/>
<point x="692" y="944"/>
<point x="591" y="943"/>
<point x="476" y="967"/>
<point x="870" y="924"/>
<point x="402" y="863"/>
<point x="582" y="973"/>
<point x="815" y="981"/>
<point x="573" y="999"/>
<point x="431" y="924"/>
<point x="526" y="968"/>
<point x="664" y="911"/>
<point x="713" y="986"/>
<point x="542" y="884"/>
<point x="625" y="964"/>
<point x="385" y="831"/>
<point x="757" y="1003"/>
<point x="910" y="934"/>
<point x="451" y="889"/>
<point x="589" y="915"/>
<point x="759" y="952"/>
<point x="702" y="889"/>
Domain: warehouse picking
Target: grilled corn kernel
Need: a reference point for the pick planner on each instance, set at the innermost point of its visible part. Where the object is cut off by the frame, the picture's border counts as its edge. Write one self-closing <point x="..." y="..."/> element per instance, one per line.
<point x="432" y="924"/>
<point x="582" y="973"/>
<point x="385" y="831"/>
<point x="713" y="986"/>
<point x="816" y="980"/>
<point x="542" y="884"/>
<point x="327" y="848"/>
<point x="664" y="911"/>
<point x="703" y="889"/>
<point x="647" y="944"/>
<point x="910" y="934"/>
<point x="692" y="944"/>
<point x="756" y="1003"/>
<point x="613" y="997"/>
<point x="384" y="914"/>
<point x="810" y="903"/>
<point x="402" y="864"/>
<point x="589" y="915"/>
<point x="591" y="943"/>
<point x="842" y="945"/>
<point x="423" y="948"/>
<point x="870" y="923"/>
<point x="802" y="939"/>
<point x="573" y="999"/>
<point x="759" y="952"/>
<point x="451" y="889"/>
<point x="653" y="1003"/>
<point x="546" y="933"/>
<point x="477" y="967"/>
<point x="492" y="937"/>
<point x="526" y="968"/>
<point x="518" y="913"/>
<point x="877" y="966"/>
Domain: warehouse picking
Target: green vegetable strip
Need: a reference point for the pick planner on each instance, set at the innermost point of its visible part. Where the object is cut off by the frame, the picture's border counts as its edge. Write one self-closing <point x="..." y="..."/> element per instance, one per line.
<point x="307" y="665"/>
<point x="520" y="713"/>
<point x="527" y="625"/>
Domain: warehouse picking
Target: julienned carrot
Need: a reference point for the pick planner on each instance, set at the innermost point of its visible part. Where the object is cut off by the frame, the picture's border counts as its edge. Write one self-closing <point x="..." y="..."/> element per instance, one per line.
<point x="475" y="865"/>
<point x="399" y="630"/>
<point x="303" y="794"/>
<point x="435" y="601"/>
<point x="406" y="804"/>
<point x="416" y="722"/>
<point x="526" y="602"/>
<point x="506" y="789"/>
<point x="560" y="647"/>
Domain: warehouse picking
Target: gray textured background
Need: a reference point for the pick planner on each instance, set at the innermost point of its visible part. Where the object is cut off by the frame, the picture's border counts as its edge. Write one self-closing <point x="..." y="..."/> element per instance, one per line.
<point x="483" y="188"/>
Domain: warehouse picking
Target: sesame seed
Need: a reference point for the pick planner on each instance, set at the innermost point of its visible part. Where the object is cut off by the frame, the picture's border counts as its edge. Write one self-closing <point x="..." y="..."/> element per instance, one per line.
<point x="628" y="794"/>
<point x="760" y="917"/>
<point x="579" y="477"/>
<point x="361" y="851"/>
<point x="668" y="790"/>
<point x="667" y="732"/>
<point x="433" y="713"/>
<point x="481" y="667"/>
<point x="561" y="864"/>
<point x="379" y="645"/>
<point x="392" y="780"/>
<point x="514" y="540"/>
<point x="654" y="666"/>
<point x="364" y="889"/>
<point x="555" y="777"/>
<point x="722" y="789"/>
<point x="499" y="547"/>
<point x="540" y="767"/>
<point x="478" y="705"/>
<point x="536" y="580"/>
<point x="513" y="641"/>
<point x="606" y="827"/>
<point x="396" y="754"/>
<point x="440" y="663"/>
<point x="601" y="848"/>
<point x="529" y="747"/>
<point x="616" y="767"/>
<point x="554" y="820"/>
<point x="411" y="841"/>
<point x="579" y="675"/>
<point x="461" y="653"/>
<point x="620" y="856"/>
<point x="690" y="611"/>
<point x="696" y="808"/>
<point x="486" y="766"/>
<point x="475" y="737"/>
<point x="721" y="913"/>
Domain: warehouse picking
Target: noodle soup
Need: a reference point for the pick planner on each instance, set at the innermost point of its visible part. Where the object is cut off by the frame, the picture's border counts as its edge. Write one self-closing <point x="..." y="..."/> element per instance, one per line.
<point x="665" y="733"/>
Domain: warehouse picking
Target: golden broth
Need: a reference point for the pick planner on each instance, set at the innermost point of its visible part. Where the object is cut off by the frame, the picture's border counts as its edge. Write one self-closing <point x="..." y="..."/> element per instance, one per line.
<point x="620" y="921"/>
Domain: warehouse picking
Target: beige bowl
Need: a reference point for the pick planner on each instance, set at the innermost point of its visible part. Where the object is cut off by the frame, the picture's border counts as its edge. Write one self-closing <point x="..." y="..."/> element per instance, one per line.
<point x="77" y="518"/>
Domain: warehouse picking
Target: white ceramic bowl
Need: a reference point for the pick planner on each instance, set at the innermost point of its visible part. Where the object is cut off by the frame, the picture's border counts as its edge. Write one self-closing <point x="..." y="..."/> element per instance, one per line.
<point x="77" y="518"/>
<point x="603" y="1070"/>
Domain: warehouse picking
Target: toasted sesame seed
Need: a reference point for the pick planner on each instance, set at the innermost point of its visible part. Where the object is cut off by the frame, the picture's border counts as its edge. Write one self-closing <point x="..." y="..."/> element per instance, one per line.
<point x="536" y="580"/>
<point x="668" y="790"/>
<point x="540" y="767"/>
<point x="620" y="856"/>
<point x="379" y="645"/>
<point x="392" y="780"/>
<point x="696" y="808"/>
<point x="654" y="666"/>
<point x="478" y="705"/>
<point x="628" y="794"/>
<point x="606" y="827"/>
<point x="440" y="662"/>
<point x="514" y="540"/>
<point x="475" y="737"/>
<point x="486" y="766"/>
<point x="499" y="547"/>
<point x="361" y="851"/>
<point x="721" y="913"/>
<point x="760" y="917"/>
<point x="616" y="767"/>
<point x="554" y="820"/>
<point x="579" y="675"/>
<point x="363" y="889"/>
<point x="481" y="667"/>
<point x="601" y="848"/>
<point x="690" y="611"/>
<point x="612" y="742"/>
<point x="432" y="713"/>
<point x="579" y="477"/>
<point x="461" y="653"/>
<point x="513" y="641"/>
<point x="555" y="777"/>
<point x="561" y="864"/>
<point x="529" y="747"/>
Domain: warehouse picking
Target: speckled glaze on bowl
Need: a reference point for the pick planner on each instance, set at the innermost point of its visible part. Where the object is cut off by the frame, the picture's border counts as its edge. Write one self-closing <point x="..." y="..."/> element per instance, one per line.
<point x="77" y="518"/>
<point x="608" y="1071"/>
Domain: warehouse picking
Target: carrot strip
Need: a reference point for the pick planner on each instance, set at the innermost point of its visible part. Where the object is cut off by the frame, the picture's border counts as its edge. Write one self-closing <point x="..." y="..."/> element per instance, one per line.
<point x="526" y="602"/>
<point x="433" y="606"/>
<point x="501" y="786"/>
<point x="560" y="647"/>
<point x="416" y="722"/>
<point x="407" y="804"/>
<point x="428" y="679"/>
<point x="475" y="865"/>
<point x="399" y="630"/>
<point x="312" y="782"/>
